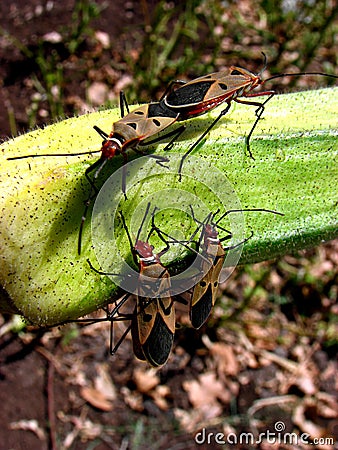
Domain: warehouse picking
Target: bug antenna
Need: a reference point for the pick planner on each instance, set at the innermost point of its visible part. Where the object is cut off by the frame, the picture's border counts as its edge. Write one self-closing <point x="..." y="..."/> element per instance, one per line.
<point x="265" y="64"/>
<point x="281" y="75"/>
<point x="212" y="216"/>
<point x="53" y="154"/>
<point x="126" y="229"/>
<point x="230" y="211"/>
<point x="143" y="220"/>
<point x="153" y="226"/>
<point x="100" y="272"/>
<point x="101" y="132"/>
<point x="176" y="241"/>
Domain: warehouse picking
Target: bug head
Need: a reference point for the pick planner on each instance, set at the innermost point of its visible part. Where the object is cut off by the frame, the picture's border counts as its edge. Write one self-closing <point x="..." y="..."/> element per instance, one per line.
<point x="251" y="80"/>
<point x="210" y="232"/>
<point x="141" y="249"/>
<point x="144" y="250"/>
<point x="110" y="147"/>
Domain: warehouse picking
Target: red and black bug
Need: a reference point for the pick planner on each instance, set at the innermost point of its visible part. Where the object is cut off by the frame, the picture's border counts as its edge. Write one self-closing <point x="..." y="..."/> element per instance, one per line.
<point x="130" y="132"/>
<point x="203" y="94"/>
<point x="153" y="319"/>
<point x="204" y="293"/>
<point x="190" y="100"/>
<point x="153" y="322"/>
<point x="211" y="256"/>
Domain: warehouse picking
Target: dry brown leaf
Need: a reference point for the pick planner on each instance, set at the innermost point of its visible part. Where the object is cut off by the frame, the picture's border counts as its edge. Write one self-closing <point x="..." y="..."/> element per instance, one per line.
<point x="327" y="405"/>
<point x="133" y="399"/>
<point x="225" y="358"/>
<point x="28" y="425"/>
<point x="206" y="391"/>
<point x="193" y="420"/>
<point x="305" y="425"/>
<point x="145" y="380"/>
<point x="306" y="384"/>
<point x="189" y="420"/>
<point x="104" y="383"/>
<point x="159" y="395"/>
<point x="96" y="398"/>
<point x="82" y="427"/>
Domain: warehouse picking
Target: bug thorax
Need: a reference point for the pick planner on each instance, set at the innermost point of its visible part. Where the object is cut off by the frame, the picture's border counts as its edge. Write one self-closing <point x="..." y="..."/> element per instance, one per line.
<point x="145" y="252"/>
<point x="210" y="235"/>
<point x="244" y="78"/>
<point x="111" y="146"/>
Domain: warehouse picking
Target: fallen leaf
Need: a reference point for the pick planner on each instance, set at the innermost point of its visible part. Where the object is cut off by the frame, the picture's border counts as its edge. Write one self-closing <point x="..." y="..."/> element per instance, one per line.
<point x="225" y="358"/>
<point x="159" y="395"/>
<point x="96" y="398"/>
<point x="305" y="425"/>
<point x="104" y="383"/>
<point x="145" y="380"/>
<point x="28" y="425"/>
<point x="133" y="399"/>
<point x="206" y="391"/>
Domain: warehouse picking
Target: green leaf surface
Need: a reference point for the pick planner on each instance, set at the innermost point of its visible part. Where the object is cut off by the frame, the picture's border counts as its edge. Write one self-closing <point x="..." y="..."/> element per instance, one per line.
<point x="42" y="199"/>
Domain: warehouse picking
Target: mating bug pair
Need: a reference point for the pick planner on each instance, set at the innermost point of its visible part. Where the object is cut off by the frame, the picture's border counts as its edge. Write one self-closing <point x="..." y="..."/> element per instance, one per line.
<point x="152" y="322"/>
<point x="189" y="100"/>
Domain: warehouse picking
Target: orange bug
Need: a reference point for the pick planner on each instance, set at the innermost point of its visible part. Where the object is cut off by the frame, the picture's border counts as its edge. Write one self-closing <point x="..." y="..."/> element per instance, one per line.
<point x="153" y="320"/>
<point x="205" y="93"/>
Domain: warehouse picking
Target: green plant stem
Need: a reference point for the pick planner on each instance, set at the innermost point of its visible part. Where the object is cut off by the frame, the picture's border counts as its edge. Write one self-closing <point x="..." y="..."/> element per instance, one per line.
<point x="294" y="172"/>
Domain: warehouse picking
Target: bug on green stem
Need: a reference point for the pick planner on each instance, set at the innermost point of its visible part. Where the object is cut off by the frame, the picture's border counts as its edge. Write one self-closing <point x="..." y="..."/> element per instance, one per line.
<point x="153" y="319"/>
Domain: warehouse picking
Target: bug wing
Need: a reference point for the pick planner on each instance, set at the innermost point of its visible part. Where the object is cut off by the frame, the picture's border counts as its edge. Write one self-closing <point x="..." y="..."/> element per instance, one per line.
<point x="204" y="293"/>
<point x="155" y="317"/>
<point x="201" y="301"/>
<point x="211" y="89"/>
<point x="145" y="121"/>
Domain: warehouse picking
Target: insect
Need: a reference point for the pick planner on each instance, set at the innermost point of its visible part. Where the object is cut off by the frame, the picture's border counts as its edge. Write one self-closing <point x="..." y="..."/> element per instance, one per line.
<point x="153" y="323"/>
<point x="203" y="294"/>
<point x="130" y="132"/>
<point x="203" y="94"/>
<point x="190" y="100"/>
<point x="153" y="320"/>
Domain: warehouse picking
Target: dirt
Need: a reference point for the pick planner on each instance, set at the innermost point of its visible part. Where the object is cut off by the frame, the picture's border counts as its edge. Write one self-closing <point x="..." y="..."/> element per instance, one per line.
<point x="266" y="363"/>
<point x="28" y="22"/>
<point x="261" y="360"/>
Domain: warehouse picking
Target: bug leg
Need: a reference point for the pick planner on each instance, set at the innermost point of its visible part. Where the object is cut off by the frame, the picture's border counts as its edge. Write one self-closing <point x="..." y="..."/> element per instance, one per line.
<point x="195" y="144"/>
<point x="101" y="132"/>
<point x="83" y="219"/>
<point x="159" y="233"/>
<point x="232" y="247"/>
<point x="175" y="133"/>
<point x="129" y="237"/>
<point x="99" y="164"/>
<point x="123" y="104"/>
<point x="100" y="272"/>
<point x="259" y="111"/>
<point x="124" y="174"/>
<point x="159" y="159"/>
<point x="169" y="88"/>
<point x="113" y="348"/>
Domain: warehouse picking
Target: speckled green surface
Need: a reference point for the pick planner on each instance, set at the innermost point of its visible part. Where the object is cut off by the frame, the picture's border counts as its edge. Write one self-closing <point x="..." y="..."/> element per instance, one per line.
<point x="294" y="171"/>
